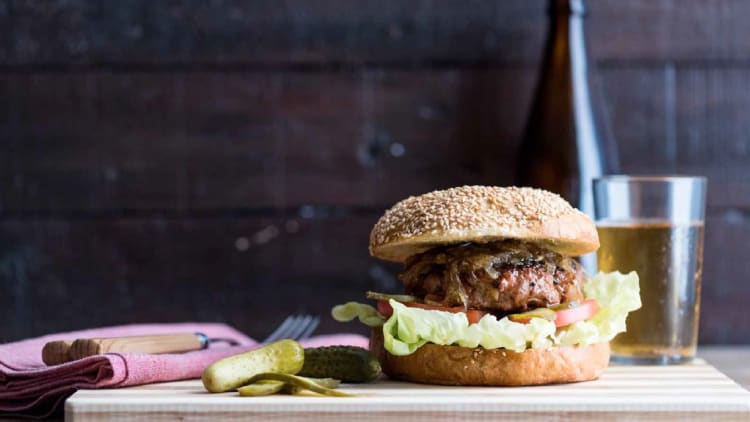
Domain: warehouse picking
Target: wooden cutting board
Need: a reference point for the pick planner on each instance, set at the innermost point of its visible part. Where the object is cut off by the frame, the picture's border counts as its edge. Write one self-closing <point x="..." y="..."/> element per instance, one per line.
<point x="689" y="392"/>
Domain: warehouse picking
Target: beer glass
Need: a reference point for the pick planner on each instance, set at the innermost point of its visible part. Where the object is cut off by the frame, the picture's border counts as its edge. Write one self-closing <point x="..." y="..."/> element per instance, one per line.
<point x="654" y="225"/>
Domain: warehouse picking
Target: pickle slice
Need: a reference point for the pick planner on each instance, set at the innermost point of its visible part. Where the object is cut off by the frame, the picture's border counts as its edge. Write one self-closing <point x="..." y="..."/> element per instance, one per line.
<point x="385" y="296"/>
<point x="566" y="305"/>
<point x="264" y="388"/>
<point x="301" y="383"/>
<point x="290" y="388"/>
<point x="543" y="313"/>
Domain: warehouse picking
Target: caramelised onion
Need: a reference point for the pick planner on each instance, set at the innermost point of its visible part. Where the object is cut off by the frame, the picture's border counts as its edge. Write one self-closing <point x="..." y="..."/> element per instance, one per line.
<point x="470" y="261"/>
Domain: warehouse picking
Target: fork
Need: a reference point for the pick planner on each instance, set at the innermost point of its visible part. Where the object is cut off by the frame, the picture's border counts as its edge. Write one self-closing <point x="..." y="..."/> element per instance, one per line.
<point x="295" y="327"/>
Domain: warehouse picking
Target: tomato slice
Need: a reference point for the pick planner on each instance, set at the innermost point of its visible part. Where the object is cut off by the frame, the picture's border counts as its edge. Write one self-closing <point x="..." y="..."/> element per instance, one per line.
<point x="585" y="310"/>
<point x="385" y="308"/>
<point x="473" y="315"/>
<point x="566" y="315"/>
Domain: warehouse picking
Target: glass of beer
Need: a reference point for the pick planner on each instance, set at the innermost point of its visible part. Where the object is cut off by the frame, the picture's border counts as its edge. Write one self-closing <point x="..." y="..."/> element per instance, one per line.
<point x="654" y="225"/>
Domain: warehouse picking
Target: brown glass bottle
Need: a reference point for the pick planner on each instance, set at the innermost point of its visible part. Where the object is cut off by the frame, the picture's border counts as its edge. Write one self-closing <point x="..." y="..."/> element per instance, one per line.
<point x="567" y="141"/>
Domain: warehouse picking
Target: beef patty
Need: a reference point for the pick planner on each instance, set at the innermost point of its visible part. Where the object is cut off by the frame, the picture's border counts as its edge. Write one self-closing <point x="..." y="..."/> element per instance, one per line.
<point x="503" y="277"/>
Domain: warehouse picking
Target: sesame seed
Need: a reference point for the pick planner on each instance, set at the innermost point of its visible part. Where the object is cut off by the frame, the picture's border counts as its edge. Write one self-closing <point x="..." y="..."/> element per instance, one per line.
<point x="468" y="208"/>
<point x="481" y="214"/>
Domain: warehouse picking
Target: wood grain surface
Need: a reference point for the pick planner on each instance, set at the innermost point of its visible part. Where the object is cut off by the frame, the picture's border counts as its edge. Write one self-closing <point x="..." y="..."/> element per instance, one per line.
<point x="95" y="32"/>
<point x="668" y="393"/>
<point x="194" y="141"/>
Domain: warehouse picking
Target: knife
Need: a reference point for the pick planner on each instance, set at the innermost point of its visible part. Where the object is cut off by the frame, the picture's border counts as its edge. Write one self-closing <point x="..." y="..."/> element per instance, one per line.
<point x="57" y="352"/>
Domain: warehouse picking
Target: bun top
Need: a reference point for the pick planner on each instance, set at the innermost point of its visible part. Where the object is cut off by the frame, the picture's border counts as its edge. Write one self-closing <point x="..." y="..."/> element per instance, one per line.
<point x="482" y="214"/>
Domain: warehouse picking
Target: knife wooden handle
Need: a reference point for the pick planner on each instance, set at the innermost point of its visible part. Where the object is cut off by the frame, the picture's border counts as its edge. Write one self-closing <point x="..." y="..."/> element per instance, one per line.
<point x="56" y="352"/>
<point x="165" y="343"/>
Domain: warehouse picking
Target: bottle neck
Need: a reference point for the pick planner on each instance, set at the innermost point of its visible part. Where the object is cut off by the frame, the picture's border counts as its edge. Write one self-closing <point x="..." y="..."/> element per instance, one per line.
<point x="566" y="35"/>
<point x="567" y="8"/>
<point x="564" y="14"/>
<point x="566" y="59"/>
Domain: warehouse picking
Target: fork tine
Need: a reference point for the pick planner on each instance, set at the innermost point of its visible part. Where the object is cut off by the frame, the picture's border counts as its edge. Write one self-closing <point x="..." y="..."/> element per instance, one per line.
<point x="280" y="330"/>
<point x="310" y="328"/>
<point x="298" y="329"/>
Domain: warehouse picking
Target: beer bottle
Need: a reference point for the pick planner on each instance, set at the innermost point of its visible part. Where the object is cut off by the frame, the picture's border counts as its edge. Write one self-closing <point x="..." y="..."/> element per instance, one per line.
<point x="567" y="141"/>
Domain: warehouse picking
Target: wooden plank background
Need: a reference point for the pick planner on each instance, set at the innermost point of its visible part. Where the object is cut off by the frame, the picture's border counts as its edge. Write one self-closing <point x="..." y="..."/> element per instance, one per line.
<point x="225" y="160"/>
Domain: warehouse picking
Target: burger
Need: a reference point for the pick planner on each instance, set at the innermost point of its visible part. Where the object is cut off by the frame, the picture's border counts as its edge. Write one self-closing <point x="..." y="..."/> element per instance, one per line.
<point x="493" y="292"/>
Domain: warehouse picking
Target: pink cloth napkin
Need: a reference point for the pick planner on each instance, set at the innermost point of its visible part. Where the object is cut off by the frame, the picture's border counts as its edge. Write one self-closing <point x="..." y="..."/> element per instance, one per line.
<point x="30" y="388"/>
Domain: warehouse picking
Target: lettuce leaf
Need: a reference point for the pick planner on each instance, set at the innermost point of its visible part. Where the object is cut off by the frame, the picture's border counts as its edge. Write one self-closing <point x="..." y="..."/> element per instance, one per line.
<point x="617" y="294"/>
<point x="410" y="328"/>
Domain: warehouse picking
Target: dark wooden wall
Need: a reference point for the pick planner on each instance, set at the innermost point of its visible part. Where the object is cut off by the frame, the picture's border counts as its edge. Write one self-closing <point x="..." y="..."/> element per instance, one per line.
<point x="225" y="160"/>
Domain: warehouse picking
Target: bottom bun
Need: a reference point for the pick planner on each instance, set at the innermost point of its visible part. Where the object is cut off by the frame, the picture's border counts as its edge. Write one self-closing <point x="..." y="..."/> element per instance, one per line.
<point x="454" y="365"/>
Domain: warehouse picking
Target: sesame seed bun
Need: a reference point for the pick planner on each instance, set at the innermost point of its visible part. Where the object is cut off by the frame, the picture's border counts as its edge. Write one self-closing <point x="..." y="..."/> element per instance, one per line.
<point x="454" y="365"/>
<point x="482" y="214"/>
